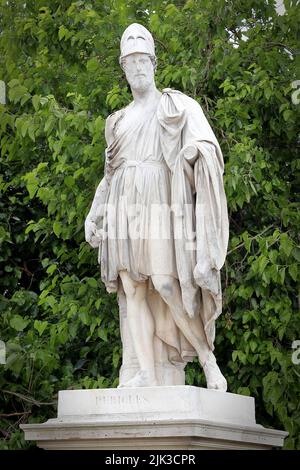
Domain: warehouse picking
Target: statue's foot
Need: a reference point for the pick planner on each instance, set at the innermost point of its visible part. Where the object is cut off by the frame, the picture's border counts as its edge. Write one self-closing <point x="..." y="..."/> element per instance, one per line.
<point x="214" y="378"/>
<point x="141" y="379"/>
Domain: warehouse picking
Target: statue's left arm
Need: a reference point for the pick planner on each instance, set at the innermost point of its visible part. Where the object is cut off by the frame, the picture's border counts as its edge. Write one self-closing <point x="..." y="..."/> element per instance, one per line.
<point x="194" y="157"/>
<point x="201" y="150"/>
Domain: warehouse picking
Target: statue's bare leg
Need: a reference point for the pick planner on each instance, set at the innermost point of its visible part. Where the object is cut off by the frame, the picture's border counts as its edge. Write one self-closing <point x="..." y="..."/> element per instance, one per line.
<point x="141" y="326"/>
<point x="191" y="328"/>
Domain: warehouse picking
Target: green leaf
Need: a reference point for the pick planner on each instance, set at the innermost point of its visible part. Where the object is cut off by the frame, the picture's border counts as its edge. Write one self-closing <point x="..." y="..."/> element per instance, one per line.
<point x="32" y="189"/>
<point x="293" y="271"/>
<point x="102" y="333"/>
<point x="49" y="124"/>
<point x="282" y="275"/>
<point x="234" y="355"/>
<point x="18" y="323"/>
<point x="31" y="132"/>
<point x="296" y="253"/>
<point x="36" y="102"/>
<point x="69" y="181"/>
<point x="92" y="64"/>
<point x="285" y="244"/>
<point x="57" y="228"/>
<point x="116" y="358"/>
<point x="17" y="93"/>
<point x="287" y="114"/>
<point x="263" y="261"/>
<point x="268" y="186"/>
<point x="40" y="326"/>
<point x="63" y="33"/>
<point x="244" y="391"/>
<point x="24" y="128"/>
<point x="84" y="317"/>
<point x="268" y="93"/>
<point x="13" y="83"/>
<point x="51" y="269"/>
<point x="92" y="282"/>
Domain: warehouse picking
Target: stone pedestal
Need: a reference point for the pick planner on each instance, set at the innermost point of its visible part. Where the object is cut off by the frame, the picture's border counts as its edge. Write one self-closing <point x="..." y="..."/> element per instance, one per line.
<point x="170" y="417"/>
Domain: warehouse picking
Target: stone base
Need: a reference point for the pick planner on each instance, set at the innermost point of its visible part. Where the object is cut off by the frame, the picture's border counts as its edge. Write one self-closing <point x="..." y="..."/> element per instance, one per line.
<point x="174" y="417"/>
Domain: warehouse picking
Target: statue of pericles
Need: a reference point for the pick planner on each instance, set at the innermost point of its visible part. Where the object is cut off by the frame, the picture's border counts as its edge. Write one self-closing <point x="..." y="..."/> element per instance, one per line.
<point x="159" y="218"/>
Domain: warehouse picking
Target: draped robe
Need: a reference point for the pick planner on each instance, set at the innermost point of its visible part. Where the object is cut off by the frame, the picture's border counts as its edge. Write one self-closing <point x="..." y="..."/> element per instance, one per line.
<point x="148" y="164"/>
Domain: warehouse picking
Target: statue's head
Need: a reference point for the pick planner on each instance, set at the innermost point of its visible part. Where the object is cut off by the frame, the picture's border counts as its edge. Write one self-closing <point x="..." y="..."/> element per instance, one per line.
<point x="137" y="57"/>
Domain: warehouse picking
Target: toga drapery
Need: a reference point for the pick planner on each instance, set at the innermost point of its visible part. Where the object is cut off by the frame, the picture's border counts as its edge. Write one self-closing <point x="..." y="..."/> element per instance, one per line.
<point x="147" y="173"/>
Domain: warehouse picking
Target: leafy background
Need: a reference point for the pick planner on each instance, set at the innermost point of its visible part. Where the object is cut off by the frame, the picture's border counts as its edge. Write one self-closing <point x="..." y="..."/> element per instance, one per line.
<point x="59" y="60"/>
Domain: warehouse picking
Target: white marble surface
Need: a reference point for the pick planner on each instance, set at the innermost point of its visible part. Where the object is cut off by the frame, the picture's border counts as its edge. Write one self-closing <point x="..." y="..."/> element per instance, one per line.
<point x="159" y="220"/>
<point x="176" y="417"/>
<point x="148" y="403"/>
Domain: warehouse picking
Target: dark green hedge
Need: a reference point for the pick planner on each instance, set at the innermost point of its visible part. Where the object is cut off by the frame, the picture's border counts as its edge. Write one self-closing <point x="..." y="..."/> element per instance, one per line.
<point x="59" y="60"/>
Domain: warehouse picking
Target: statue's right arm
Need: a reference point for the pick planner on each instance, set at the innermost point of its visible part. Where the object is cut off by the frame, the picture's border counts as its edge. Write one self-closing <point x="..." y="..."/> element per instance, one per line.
<point x="96" y="212"/>
<point x="92" y="234"/>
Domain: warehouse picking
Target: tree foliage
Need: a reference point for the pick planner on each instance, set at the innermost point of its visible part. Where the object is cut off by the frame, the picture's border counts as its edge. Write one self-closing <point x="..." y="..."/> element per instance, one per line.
<point x="59" y="60"/>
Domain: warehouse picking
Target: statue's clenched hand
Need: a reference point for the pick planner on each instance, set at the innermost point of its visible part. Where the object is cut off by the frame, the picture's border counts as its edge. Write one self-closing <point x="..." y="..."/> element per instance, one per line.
<point x="190" y="152"/>
<point x="91" y="233"/>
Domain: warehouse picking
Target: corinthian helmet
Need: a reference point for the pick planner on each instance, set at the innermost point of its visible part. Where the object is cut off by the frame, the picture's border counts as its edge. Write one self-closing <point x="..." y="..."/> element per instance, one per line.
<point x="136" y="38"/>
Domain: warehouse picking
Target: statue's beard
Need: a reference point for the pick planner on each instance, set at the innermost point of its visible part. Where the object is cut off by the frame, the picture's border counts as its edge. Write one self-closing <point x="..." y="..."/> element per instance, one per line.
<point x="140" y="83"/>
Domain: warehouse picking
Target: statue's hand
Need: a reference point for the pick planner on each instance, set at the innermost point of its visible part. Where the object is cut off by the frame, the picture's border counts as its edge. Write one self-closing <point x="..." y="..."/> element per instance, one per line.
<point x="91" y="233"/>
<point x="190" y="153"/>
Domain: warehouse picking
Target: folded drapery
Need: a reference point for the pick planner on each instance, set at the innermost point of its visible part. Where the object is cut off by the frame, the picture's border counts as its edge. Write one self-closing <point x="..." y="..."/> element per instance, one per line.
<point x="200" y="219"/>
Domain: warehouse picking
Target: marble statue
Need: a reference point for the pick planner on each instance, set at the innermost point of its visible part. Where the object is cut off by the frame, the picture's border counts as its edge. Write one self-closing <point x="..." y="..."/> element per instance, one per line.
<point x="159" y="220"/>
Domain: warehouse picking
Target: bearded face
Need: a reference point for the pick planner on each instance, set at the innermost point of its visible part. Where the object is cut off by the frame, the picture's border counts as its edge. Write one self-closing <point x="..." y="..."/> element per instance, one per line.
<point x="139" y="71"/>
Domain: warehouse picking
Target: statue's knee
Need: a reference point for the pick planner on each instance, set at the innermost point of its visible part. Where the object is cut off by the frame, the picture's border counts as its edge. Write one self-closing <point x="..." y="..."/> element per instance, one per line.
<point x="134" y="290"/>
<point x="164" y="285"/>
<point x="129" y="289"/>
<point x="129" y="285"/>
